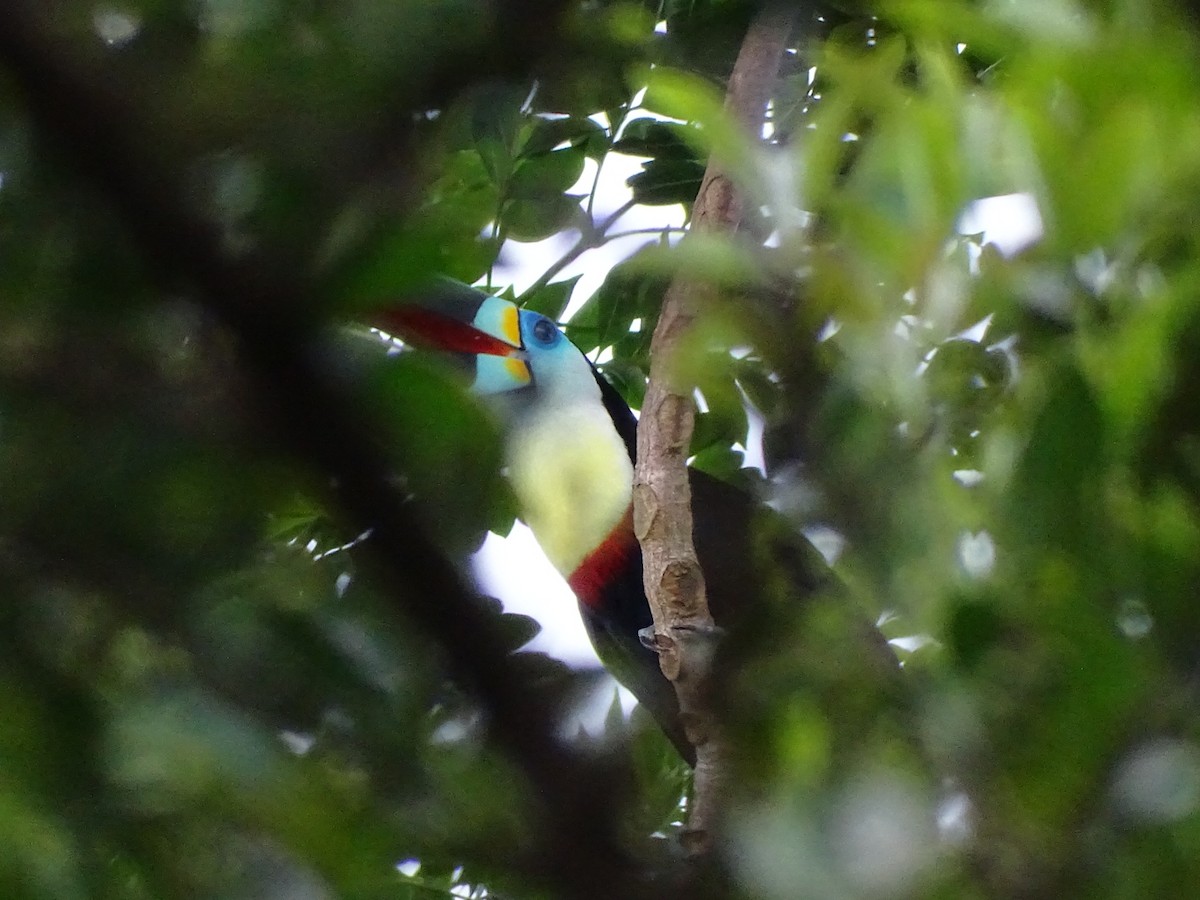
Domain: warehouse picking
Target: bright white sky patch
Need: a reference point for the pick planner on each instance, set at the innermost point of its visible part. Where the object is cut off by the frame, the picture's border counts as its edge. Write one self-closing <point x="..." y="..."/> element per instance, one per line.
<point x="1159" y="781"/>
<point x="522" y="264"/>
<point x="515" y="570"/>
<point x="976" y="553"/>
<point x="1010" y="222"/>
<point x="114" y="26"/>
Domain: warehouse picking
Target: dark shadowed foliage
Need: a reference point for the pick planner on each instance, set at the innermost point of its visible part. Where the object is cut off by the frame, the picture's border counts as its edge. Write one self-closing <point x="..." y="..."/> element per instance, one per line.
<point x="241" y="653"/>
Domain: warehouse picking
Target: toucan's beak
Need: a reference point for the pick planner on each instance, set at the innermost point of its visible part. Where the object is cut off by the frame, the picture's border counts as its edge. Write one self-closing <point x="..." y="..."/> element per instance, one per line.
<point x="483" y="330"/>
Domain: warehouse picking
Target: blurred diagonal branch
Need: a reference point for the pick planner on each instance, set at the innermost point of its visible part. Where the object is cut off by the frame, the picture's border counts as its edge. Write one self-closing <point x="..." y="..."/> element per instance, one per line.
<point x="84" y="112"/>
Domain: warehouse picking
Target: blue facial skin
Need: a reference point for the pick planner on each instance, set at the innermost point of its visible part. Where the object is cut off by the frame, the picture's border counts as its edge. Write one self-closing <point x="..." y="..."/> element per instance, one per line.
<point x="560" y="371"/>
<point x="556" y="372"/>
<point x="538" y="331"/>
<point x="543" y="348"/>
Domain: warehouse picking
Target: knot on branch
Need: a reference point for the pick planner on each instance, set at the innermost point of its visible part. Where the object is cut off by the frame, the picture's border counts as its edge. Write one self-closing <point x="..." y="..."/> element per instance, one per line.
<point x="718" y="203"/>
<point x="645" y="509"/>
<point x="682" y="585"/>
<point x="675" y="421"/>
<point x="699" y="643"/>
<point x="686" y="651"/>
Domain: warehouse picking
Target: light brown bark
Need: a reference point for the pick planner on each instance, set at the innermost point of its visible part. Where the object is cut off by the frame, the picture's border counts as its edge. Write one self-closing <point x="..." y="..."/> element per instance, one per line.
<point x="685" y="635"/>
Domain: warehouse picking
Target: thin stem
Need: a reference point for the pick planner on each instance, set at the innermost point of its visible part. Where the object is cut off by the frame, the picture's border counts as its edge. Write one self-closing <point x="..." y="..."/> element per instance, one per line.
<point x="596" y="182"/>
<point x="659" y="229"/>
<point x="614" y="128"/>
<point x="589" y="240"/>
<point x="620" y="211"/>
<point x="499" y="236"/>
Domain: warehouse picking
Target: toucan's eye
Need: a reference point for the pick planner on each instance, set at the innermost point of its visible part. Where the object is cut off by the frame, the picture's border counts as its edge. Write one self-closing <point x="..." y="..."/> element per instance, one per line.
<point x="545" y="332"/>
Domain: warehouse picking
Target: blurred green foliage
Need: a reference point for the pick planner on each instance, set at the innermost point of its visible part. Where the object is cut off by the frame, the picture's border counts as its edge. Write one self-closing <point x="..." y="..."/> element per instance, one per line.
<point x="207" y="691"/>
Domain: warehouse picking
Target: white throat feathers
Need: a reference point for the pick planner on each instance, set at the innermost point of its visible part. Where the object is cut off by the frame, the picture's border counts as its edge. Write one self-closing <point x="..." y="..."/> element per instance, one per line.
<point x="572" y="476"/>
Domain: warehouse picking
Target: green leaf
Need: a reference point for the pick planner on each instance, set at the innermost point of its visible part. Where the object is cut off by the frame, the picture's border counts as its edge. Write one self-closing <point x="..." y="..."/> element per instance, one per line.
<point x="706" y="257"/>
<point x="172" y="749"/>
<point x="609" y="313"/>
<point x="657" y="140"/>
<point x="1055" y="498"/>
<point x="537" y="177"/>
<point x="445" y="446"/>
<point x="628" y="378"/>
<point x="538" y="219"/>
<point x="666" y="182"/>
<point x="442" y="237"/>
<point x="664" y="779"/>
<point x="550" y="299"/>
<point x="966" y="383"/>
<point x="38" y="856"/>
<point x="719" y="426"/>
<point x="764" y="393"/>
<point x="674" y="170"/>
<point x="703" y="35"/>
<point x="973" y="629"/>
<point x="518" y="629"/>
<point x="721" y="461"/>
<point x="580" y="133"/>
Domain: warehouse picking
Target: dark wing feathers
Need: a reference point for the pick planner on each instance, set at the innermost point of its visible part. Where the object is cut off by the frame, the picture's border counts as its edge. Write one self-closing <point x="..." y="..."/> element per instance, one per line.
<point x="740" y="543"/>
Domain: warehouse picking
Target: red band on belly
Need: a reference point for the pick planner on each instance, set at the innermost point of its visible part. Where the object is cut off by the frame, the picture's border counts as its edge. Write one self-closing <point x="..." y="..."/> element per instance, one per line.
<point x="602" y="565"/>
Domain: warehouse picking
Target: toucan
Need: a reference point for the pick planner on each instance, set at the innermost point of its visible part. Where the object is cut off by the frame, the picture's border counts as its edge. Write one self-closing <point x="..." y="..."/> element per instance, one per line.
<point x="570" y="446"/>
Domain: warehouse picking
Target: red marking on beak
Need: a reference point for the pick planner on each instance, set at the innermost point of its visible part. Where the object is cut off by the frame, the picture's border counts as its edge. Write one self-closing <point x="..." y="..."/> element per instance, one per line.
<point x="424" y="328"/>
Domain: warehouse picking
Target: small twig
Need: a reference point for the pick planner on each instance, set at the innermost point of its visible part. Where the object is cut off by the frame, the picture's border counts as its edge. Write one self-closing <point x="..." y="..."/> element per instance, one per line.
<point x="684" y="630"/>
<point x="614" y="130"/>
<point x="589" y="240"/>
<point x="659" y="229"/>
<point x="591" y="204"/>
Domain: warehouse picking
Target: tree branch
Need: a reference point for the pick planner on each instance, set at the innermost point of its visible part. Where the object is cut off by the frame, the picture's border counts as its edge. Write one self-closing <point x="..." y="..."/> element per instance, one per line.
<point x="684" y="629"/>
<point x="594" y="237"/>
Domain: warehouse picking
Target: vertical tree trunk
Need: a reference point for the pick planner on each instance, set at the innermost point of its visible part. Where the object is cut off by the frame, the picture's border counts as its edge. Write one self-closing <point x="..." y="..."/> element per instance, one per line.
<point x="684" y="629"/>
